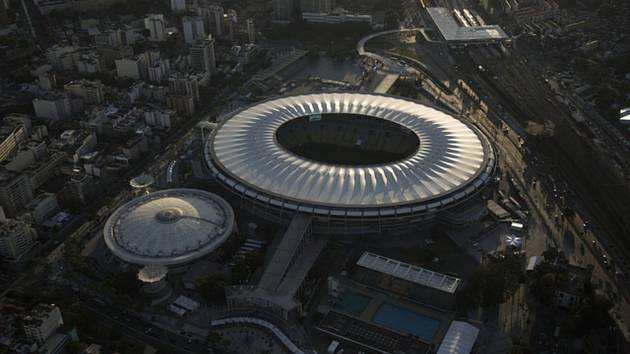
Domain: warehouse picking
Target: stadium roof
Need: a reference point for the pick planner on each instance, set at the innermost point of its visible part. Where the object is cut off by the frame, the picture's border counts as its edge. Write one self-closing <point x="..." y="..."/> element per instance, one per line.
<point x="459" y="339"/>
<point x="451" y="163"/>
<point x="453" y="32"/>
<point x="169" y="227"/>
<point x="409" y="272"/>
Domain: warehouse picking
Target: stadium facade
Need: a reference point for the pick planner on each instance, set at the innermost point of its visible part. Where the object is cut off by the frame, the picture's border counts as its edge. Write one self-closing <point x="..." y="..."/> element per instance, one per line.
<point x="355" y="163"/>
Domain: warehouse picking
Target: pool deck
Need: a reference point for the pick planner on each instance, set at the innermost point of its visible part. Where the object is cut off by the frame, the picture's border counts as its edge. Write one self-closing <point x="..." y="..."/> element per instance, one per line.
<point x="370" y="310"/>
<point x="379" y="297"/>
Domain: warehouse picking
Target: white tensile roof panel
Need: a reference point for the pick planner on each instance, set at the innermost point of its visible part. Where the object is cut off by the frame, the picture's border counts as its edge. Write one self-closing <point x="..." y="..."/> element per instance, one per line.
<point x="409" y="272"/>
<point x="452" y="31"/>
<point x="459" y="339"/>
<point x="451" y="155"/>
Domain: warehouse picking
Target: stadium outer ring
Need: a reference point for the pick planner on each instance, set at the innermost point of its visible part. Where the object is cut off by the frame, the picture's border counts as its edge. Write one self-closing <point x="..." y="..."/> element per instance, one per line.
<point x="348" y="218"/>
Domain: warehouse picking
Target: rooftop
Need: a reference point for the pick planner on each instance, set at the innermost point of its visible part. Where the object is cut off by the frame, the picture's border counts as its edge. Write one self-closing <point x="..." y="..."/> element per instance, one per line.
<point x="169" y="227"/>
<point x="452" y="31"/>
<point x="256" y="152"/>
<point x="409" y="272"/>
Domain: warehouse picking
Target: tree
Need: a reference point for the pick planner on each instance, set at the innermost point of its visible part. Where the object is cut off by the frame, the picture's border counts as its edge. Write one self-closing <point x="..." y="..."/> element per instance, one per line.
<point x="212" y="288"/>
<point x="126" y="283"/>
<point x="590" y="313"/>
<point x="493" y="282"/>
<point x="548" y="276"/>
<point x="214" y="338"/>
<point x="520" y="346"/>
<point x="239" y="273"/>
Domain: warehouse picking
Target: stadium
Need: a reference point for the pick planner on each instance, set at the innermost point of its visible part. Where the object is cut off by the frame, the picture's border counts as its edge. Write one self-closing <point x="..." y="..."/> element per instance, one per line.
<point x="356" y="163"/>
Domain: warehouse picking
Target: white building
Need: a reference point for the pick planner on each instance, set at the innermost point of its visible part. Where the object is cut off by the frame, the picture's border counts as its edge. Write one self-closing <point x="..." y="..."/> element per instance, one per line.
<point x="202" y="56"/>
<point x="178" y="5"/>
<point x="90" y="91"/>
<point x="212" y="18"/>
<point x="156" y="24"/>
<point x="162" y="119"/>
<point x="15" y="191"/>
<point x="317" y="6"/>
<point x="232" y="22"/>
<point x="55" y="54"/>
<point x="43" y="206"/>
<point x="251" y="31"/>
<point x="336" y="18"/>
<point x="16" y="238"/>
<point x="134" y="68"/>
<point x="159" y="70"/>
<point x="47" y="81"/>
<point x="110" y="37"/>
<point x="54" y="106"/>
<point x="89" y="64"/>
<point x="282" y="10"/>
<point x="41" y="322"/>
<point x="16" y="129"/>
<point x="193" y="28"/>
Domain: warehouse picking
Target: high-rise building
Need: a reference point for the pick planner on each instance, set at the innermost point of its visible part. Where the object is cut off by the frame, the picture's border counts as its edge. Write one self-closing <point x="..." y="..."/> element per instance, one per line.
<point x="156" y="24"/>
<point x="282" y="10"/>
<point x="178" y="5"/>
<point x="134" y="68"/>
<point x="193" y="28"/>
<point x="41" y="322"/>
<point x="212" y="19"/>
<point x="13" y="134"/>
<point x="159" y="70"/>
<point x="47" y="81"/>
<point x="53" y="106"/>
<point x="80" y="188"/>
<point x="202" y="57"/>
<point x="15" y="191"/>
<point x="4" y="18"/>
<point x="16" y="237"/>
<point x="184" y="85"/>
<point x="231" y="24"/>
<point x="184" y="105"/>
<point x="159" y="118"/>
<point x="90" y="91"/>
<point x="251" y="31"/>
<point x="317" y="6"/>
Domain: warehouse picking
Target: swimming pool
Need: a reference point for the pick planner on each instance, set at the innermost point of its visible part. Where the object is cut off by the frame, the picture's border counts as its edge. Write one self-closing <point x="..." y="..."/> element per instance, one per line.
<point x="352" y="303"/>
<point x="407" y="321"/>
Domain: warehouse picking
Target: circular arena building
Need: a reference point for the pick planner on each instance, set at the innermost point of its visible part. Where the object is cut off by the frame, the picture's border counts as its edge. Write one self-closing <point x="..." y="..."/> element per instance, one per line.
<point x="169" y="227"/>
<point x="357" y="163"/>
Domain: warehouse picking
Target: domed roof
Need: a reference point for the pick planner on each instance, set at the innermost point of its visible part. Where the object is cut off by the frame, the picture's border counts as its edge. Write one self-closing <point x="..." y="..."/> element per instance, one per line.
<point x="169" y="227"/>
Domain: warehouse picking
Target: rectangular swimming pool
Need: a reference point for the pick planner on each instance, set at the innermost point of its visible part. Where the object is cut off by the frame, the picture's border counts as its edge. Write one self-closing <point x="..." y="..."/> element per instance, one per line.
<point x="402" y="320"/>
<point x="352" y="303"/>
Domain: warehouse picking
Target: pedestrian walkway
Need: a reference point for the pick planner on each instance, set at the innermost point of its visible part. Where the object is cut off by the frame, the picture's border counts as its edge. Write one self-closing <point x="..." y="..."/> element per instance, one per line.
<point x="262" y="323"/>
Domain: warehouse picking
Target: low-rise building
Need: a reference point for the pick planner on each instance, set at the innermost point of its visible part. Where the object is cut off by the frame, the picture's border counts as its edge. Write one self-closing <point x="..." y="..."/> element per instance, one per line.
<point x="336" y="18"/>
<point x="570" y="291"/>
<point x="40" y="208"/>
